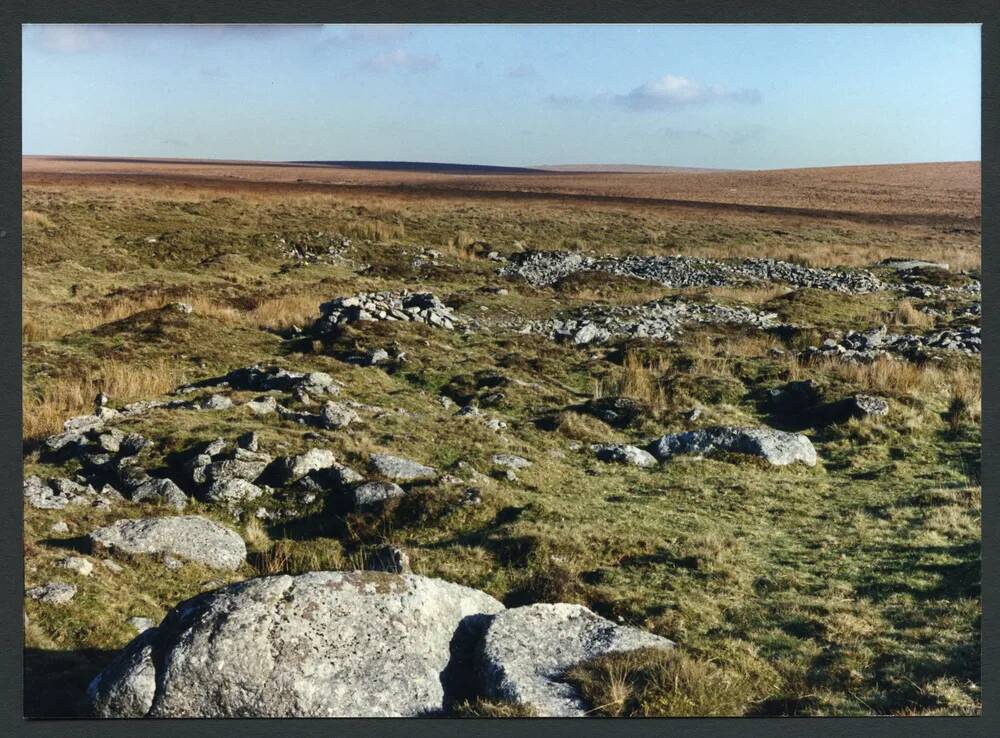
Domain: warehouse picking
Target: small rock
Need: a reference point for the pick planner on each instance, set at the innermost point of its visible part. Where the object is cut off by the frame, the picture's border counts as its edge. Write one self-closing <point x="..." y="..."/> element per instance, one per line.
<point x="510" y="461"/>
<point x="77" y="564"/>
<point x="400" y="469"/>
<point x="372" y="493"/>
<point x="249" y="441"/>
<point x="336" y="415"/>
<point x="624" y="454"/>
<point x="53" y="593"/>
<point x="59" y="526"/>
<point x="140" y="624"/>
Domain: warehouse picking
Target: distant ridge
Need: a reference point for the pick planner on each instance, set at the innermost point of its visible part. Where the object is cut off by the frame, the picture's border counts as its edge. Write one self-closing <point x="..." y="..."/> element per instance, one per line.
<point x="625" y="168"/>
<point x="424" y="166"/>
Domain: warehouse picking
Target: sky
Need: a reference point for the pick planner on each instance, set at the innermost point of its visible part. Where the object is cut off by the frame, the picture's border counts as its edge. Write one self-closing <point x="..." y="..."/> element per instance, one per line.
<point x="720" y="96"/>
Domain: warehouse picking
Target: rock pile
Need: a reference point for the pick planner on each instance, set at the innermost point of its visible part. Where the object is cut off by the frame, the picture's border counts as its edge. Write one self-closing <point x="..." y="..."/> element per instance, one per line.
<point x="866" y="346"/>
<point x="418" y="307"/>
<point x="660" y="319"/>
<point x="548" y="267"/>
<point x="57" y="493"/>
<point x="354" y="644"/>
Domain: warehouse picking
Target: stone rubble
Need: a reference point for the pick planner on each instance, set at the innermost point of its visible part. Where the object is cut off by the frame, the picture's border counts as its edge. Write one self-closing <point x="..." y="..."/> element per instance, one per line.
<point x="418" y="307"/>
<point x="542" y="268"/>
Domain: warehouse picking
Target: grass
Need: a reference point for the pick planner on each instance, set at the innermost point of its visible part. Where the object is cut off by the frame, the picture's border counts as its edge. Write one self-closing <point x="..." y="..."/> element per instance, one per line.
<point x="655" y="683"/>
<point x="43" y="413"/>
<point x="851" y="588"/>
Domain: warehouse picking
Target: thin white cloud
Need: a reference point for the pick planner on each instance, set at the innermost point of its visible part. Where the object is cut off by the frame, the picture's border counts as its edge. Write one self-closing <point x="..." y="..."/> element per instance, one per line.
<point x="521" y="71"/>
<point x="402" y="59"/>
<point x="671" y="92"/>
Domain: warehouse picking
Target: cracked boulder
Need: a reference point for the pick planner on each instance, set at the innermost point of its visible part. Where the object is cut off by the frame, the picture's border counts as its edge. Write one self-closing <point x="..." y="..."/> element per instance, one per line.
<point x="321" y="644"/>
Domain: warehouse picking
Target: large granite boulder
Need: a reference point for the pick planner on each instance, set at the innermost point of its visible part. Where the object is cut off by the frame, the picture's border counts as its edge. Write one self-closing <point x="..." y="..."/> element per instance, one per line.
<point x="322" y="644"/>
<point x="526" y="651"/>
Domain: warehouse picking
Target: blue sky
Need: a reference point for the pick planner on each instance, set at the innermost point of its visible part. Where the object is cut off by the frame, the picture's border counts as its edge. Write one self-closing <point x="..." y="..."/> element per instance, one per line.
<point x="736" y="96"/>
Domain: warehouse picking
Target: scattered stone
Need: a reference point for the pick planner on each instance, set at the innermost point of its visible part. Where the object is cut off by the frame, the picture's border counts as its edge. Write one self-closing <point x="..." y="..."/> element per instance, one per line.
<point x="263" y="405"/>
<point x="375" y="357"/>
<point x="548" y="267"/>
<point x="215" y="402"/>
<point x="189" y="536"/>
<point x="321" y="644"/>
<point x="421" y="307"/>
<point x="660" y="319"/>
<point x="867" y="346"/>
<point x="400" y="469"/>
<point x="510" y="461"/>
<point x="774" y="446"/>
<point x="77" y="564"/>
<point x="54" y="593"/>
<point x="337" y="415"/>
<point x="291" y="468"/>
<point x="526" y="651"/>
<point x="372" y="493"/>
<point x="132" y="444"/>
<point x="163" y="491"/>
<point x="111" y="566"/>
<point x="59" y="526"/>
<point x="171" y="563"/>
<point x="228" y="469"/>
<point x="624" y="454"/>
<point x="232" y="491"/>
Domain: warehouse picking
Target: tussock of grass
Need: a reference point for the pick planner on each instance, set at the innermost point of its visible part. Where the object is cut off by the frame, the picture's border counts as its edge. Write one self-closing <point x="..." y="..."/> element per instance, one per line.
<point x="374" y="230"/>
<point x="907" y="315"/>
<point x="481" y="708"/>
<point x="35" y="219"/>
<point x="639" y="378"/>
<point x="657" y="683"/>
<point x="64" y="397"/>
<point x="965" y="402"/>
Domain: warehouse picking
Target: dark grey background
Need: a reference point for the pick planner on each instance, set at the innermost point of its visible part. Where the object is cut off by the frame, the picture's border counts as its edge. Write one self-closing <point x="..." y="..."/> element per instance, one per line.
<point x="15" y="12"/>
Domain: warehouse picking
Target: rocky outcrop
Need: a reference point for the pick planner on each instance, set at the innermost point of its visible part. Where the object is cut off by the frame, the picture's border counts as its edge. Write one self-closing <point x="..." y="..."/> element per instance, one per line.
<point x="322" y="644"/>
<point x="189" y="537"/>
<point x="526" y="650"/>
<point x="773" y="446"/>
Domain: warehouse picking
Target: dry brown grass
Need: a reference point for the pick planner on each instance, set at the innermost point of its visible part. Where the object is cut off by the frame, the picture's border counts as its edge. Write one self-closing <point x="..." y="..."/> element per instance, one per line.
<point x="283" y="312"/>
<point x="35" y="219"/>
<point x="749" y="295"/>
<point x="374" y="230"/>
<point x="907" y="315"/>
<point x="882" y="376"/>
<point x="965" y="398"/>
<point x="65" y="397"/>
<point x="638" y="379"/>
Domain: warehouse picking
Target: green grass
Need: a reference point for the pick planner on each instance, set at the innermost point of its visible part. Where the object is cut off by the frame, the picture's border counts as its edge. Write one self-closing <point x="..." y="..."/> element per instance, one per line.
<point x="851" y="588"/>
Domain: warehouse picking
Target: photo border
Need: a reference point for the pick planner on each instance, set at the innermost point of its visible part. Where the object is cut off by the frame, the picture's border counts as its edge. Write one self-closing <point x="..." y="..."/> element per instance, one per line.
<point x="408" y="11"/>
